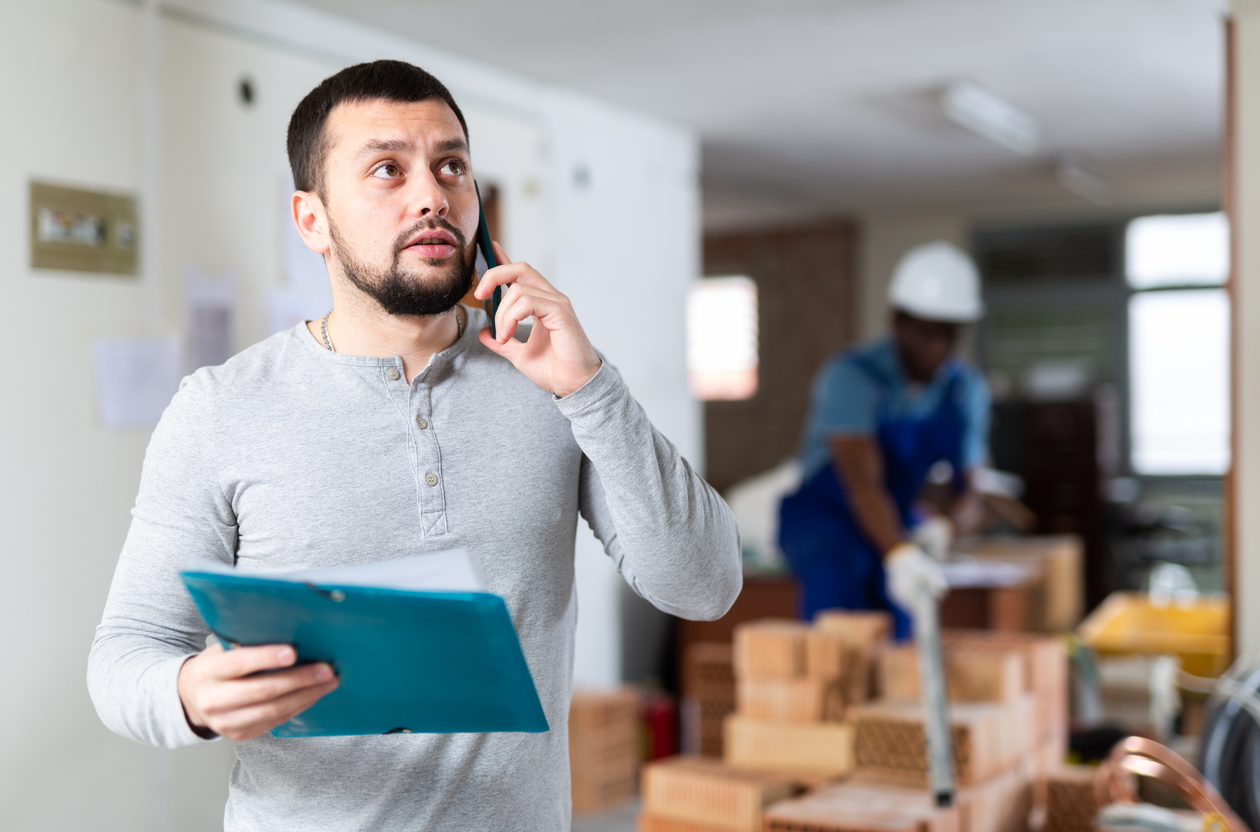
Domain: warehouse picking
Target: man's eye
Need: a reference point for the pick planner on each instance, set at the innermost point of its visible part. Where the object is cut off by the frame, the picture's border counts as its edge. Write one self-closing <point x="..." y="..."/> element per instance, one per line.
<point x="387" y="171"/>
<point x="452" y="168"/>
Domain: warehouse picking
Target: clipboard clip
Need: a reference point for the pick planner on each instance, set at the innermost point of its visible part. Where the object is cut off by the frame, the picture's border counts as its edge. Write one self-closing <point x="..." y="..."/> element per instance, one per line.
<point x="331" y="594"/>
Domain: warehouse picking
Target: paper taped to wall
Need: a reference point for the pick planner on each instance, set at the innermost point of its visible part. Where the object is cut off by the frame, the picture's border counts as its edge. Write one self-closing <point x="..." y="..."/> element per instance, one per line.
<point x="212" y="318"/>
<point x="136" y="378"/>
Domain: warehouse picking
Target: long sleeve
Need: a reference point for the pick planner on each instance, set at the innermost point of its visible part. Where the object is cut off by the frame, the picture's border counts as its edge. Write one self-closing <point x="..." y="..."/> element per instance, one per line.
<point x="290" y="456"/>
<point x="150" y="625"/>
<point x="668" y="532"/>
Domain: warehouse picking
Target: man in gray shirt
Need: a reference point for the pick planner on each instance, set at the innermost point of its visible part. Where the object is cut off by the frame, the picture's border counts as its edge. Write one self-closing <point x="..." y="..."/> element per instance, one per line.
<point x="396" y="425"/>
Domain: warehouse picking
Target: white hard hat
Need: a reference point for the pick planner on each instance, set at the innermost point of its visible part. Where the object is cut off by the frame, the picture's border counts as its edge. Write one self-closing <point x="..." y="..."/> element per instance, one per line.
<point x="937" y="282"/>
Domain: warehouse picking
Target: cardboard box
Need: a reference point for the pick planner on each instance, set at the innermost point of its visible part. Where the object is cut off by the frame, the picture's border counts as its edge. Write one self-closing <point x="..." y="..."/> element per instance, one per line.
<point x="770" y="648"/>
<point x="807" y="750"/>
<point x="859" y="808"/>
<point x="1057" y="597"/>
<point x="890" y="741"/>
<point x="790" y="700"/>
<point x="1139" y="693"/>
<point x="971" y="675"/>
<point x="701" y="791"/>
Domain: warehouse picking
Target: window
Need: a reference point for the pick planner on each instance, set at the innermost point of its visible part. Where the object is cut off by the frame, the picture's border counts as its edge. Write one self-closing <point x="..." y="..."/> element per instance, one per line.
<point x="722" y="338"/>
<point x="1185" y="250"/>
<point x="1179" y="344"/>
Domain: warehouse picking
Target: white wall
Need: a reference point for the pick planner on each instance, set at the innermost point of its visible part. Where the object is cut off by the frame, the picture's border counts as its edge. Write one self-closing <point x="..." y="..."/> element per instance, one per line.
<point x="73" y="113"/>
<point x="67" y="484"/>
<point x="630" y="292"/>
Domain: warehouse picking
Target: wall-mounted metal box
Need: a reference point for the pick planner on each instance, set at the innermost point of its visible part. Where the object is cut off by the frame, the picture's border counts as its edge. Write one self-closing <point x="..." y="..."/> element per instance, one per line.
<point x="83" y="231"/>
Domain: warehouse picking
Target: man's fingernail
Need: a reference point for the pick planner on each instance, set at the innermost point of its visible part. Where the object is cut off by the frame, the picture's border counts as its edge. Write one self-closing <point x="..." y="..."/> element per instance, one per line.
<point x="286" y="655"/>
<point x="324" y="672"/>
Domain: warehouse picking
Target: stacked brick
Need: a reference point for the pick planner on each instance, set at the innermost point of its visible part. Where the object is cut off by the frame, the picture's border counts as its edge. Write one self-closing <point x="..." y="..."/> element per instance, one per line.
<point x="794" y="683"/>
<point x="1007" y="712"/>
<point x="693" y="794"/>
<point x="1045" y="677"/>
<point x="1071" y="802"/>
<point x="862" y="808"/>
<point x="604" y="750"/>
<point x="708" y="695"/>
<point x="996" y="667"/>
<point x="833" y="710"/>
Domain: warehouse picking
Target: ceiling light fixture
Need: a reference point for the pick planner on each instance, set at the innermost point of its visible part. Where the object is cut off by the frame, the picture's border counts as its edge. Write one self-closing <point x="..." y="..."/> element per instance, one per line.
<point x="985" y="114"/>
<point x="1080" y="180"/>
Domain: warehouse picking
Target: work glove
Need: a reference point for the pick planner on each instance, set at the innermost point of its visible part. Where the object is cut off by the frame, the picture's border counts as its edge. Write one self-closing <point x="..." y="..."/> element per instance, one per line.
<point x="911" y="577"/>
<point x="933" y="536"/>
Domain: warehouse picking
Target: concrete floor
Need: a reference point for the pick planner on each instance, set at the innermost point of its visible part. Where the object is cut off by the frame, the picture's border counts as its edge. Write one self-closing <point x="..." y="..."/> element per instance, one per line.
<point x="618" y="820"/>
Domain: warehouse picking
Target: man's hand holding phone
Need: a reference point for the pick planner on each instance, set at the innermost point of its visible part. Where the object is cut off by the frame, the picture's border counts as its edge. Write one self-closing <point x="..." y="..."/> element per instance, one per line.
<point x="222" y="694"/>
<point x="557" y="356"/>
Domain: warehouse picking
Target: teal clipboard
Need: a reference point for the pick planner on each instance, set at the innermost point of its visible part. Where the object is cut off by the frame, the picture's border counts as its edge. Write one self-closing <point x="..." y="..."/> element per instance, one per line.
<point x="408" y="661"/>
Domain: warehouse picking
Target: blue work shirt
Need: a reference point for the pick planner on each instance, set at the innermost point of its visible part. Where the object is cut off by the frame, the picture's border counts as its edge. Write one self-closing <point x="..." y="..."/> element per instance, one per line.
<point x="846" y="401"/>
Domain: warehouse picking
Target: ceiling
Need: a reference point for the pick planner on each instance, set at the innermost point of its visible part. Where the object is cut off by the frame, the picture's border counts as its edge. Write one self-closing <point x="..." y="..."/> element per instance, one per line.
<point x="810" y="107"/>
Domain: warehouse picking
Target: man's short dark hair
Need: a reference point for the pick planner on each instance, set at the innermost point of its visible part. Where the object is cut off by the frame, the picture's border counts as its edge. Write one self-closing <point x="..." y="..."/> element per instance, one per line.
<point x="378" y="80"/>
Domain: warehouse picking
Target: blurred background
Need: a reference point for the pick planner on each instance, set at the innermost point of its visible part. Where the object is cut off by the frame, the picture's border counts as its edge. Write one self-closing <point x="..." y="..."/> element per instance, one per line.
<point x="724" y="190"/>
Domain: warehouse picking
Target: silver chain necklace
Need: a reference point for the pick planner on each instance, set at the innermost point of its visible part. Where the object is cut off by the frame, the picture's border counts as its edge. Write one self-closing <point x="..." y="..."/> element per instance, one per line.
<point x="328" y="344"/>
<point x="324" y="328"/>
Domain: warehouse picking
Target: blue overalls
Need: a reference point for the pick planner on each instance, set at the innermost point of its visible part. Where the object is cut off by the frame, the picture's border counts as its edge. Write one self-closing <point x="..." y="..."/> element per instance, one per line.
<point x="832" y="559"/>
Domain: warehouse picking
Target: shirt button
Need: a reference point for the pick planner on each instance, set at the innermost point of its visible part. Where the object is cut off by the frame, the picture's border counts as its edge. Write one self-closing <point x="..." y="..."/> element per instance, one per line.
<point x="422" y="422"/>
<point x="431" y="479"/>
<point x="393" y="373"/>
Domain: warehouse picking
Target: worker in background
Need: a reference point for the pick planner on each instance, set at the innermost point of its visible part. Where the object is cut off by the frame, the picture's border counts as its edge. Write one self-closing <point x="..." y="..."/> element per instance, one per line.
<point x="881" y="416"/>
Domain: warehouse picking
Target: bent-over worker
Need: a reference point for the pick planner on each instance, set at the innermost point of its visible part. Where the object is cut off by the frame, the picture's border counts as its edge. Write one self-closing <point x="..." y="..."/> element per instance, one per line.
<point x="881" y="416"/>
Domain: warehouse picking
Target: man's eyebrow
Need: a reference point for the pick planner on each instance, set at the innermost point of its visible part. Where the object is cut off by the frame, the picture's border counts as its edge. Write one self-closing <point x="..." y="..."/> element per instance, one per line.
<point x="452" y="146"/>
<point x="382" y="146"/>
<point x="400" y="145"/>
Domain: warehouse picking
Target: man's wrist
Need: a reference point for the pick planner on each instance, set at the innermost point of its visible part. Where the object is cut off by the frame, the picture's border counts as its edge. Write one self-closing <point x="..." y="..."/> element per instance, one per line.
<point x="599" y="362"/>
<point x="588" y="383"/>
<point x="200" y="730"/>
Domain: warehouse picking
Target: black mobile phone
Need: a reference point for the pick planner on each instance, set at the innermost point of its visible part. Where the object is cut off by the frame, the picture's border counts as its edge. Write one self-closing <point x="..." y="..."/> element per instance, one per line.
<point x="486" y="261"/>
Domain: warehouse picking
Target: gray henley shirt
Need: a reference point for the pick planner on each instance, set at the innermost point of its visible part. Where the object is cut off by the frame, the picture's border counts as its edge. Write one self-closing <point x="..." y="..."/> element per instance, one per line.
<point x="290" y="456"/>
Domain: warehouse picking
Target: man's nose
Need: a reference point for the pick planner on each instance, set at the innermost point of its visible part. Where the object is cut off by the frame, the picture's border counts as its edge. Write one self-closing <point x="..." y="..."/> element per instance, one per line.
<point x="425" y="196"/>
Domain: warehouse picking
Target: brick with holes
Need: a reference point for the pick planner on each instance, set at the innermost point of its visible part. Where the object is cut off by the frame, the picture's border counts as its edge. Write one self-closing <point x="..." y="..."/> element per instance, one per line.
<point x="889" y="739"/>
<point x="699" y="791"/>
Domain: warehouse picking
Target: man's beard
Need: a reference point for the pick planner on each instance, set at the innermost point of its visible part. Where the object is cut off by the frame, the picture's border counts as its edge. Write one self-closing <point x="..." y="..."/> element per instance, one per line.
<point x="401" y="292"/>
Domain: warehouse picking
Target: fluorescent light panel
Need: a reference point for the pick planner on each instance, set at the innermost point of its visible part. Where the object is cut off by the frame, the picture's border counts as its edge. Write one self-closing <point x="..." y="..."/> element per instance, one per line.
<point x="991" y="117"/>
<point x="1082" y="181"/>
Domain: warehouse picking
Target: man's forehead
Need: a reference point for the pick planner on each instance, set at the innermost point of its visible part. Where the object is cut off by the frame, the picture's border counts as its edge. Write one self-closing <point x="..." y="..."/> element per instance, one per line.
<point x="352" y="126"/>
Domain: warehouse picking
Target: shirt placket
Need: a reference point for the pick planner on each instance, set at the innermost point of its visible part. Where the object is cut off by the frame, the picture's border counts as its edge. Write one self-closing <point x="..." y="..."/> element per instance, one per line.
<point x="428" y="461"/>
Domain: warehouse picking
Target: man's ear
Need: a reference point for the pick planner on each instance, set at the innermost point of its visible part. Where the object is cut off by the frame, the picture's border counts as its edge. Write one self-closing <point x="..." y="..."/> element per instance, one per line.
<point x="311" y="221"/>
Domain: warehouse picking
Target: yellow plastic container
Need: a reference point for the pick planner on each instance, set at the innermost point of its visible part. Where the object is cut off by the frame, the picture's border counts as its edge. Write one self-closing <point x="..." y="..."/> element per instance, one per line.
<point x="1127" y="623"/>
